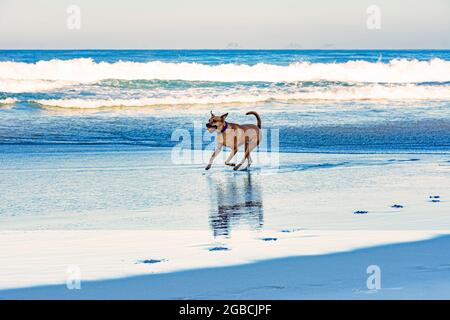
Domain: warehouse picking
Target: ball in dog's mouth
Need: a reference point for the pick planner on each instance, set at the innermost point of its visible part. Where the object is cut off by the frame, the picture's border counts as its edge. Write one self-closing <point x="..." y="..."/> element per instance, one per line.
<point x="210" y="127"/>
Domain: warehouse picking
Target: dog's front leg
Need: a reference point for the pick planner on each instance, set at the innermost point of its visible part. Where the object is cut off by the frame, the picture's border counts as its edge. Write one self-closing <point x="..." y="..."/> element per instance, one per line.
<point x="213" y="156"/>
<point x="232" y="154"/>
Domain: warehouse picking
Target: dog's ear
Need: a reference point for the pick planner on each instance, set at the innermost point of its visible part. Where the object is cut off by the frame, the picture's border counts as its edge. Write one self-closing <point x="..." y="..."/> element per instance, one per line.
<point x="212" y="114"/>
<point x="224" y="116"/>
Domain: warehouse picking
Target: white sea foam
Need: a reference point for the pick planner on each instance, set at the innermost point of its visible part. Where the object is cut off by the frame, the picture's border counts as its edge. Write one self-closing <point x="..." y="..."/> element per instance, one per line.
<point x="8" y="101"/>
<point x="31" y="85"/>
<point x="62" y="72"/>
<point x="366" y="92"/>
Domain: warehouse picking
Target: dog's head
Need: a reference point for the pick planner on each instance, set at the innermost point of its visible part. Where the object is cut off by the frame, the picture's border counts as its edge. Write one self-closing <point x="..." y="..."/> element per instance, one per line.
<point x="216" y="122"/>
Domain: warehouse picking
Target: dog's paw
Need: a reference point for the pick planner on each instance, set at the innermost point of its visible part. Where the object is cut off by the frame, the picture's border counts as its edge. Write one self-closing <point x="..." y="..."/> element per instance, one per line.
<point x="236" y="168"/>
<point x="208" y="167"/>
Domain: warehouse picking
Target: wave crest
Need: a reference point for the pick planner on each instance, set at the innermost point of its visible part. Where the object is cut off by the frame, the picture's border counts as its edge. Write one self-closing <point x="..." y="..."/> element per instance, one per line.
<point x="51" y="74"/>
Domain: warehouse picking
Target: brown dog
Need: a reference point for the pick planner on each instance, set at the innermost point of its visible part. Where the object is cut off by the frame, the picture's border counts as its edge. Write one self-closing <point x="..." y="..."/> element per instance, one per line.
<point x="234" y="135"/>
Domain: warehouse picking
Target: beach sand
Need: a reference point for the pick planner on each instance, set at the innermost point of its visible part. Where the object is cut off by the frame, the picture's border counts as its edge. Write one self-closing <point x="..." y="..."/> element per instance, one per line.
<point x="308" y="228"/>
<point x="413" y="270"/>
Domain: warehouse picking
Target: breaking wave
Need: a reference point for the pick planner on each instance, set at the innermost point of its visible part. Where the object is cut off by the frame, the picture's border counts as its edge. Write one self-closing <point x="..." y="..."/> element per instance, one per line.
<point x="52" y="74"/>
<point x="8" y="101"/>
<point x="366" y="92"/>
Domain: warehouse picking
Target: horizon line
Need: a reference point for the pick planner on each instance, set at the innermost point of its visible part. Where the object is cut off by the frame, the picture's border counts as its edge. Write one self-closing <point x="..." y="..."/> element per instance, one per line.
<point x="228" y="49"/>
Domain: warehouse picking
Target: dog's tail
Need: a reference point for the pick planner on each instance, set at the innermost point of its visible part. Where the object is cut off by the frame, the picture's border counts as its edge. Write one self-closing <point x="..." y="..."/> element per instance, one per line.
<point x="258" y="119"/>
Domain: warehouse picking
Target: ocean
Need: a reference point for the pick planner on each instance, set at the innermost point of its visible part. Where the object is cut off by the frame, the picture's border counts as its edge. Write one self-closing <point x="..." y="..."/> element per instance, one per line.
<point x="320" y="100"/>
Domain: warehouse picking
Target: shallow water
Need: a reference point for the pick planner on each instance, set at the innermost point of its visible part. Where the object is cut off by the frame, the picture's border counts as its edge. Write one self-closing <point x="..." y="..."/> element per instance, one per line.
<point x="95" y="188"/>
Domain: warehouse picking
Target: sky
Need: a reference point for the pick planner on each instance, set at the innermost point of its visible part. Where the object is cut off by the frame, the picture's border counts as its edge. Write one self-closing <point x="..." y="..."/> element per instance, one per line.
<point x="218" y="24"/>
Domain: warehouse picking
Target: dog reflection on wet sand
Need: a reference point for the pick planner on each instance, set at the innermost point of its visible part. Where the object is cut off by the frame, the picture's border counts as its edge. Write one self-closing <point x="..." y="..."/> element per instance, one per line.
<point x="238" y="201"/>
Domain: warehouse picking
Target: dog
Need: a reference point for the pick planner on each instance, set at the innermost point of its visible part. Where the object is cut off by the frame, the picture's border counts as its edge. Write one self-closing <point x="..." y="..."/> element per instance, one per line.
<point x="233" y="135"/>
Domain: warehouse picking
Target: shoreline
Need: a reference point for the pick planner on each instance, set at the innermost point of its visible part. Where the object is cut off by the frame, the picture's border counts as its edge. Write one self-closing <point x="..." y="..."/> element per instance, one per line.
<point x="142" y="148"/>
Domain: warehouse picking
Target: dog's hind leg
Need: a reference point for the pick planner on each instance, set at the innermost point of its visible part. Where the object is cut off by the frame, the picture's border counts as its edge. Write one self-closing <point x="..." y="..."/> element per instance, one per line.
<point x="249" y="160"/>
<point x="249" y="157"/>
<point x="249" y="146"/>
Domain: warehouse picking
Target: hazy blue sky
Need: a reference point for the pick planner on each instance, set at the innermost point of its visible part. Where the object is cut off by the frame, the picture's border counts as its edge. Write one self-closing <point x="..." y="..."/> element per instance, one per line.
<point x="221" y="23"/>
